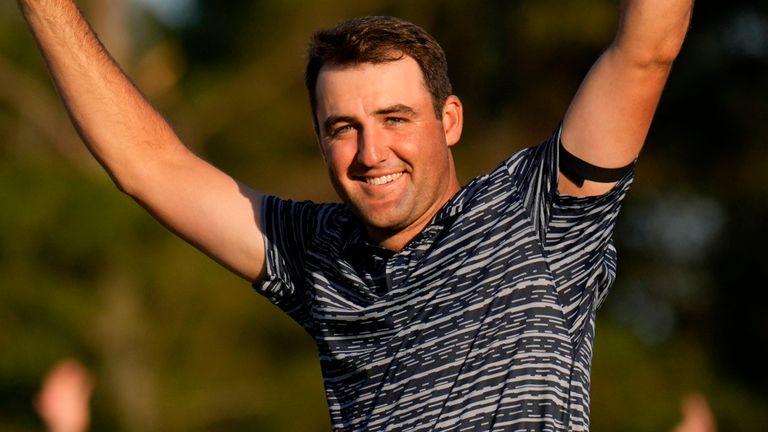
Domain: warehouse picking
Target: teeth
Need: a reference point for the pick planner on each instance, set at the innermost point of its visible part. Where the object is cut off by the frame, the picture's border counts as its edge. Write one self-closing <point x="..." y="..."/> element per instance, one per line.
<point x="383" y="179"/>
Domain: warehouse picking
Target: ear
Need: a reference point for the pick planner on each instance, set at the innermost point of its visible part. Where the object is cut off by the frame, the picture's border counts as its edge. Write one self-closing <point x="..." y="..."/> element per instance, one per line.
<point x="453" y="119"/>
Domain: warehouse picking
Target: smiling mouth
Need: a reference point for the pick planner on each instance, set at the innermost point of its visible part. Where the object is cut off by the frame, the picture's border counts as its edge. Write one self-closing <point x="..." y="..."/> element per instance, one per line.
<point x="377" y="181"/>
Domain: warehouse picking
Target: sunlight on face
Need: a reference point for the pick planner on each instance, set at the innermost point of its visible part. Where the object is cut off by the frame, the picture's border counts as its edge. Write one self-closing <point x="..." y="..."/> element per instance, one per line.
<point x="387" y="153"/>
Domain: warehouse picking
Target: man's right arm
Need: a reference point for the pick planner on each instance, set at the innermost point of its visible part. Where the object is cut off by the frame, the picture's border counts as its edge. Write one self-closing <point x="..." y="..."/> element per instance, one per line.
<point x="138" y="148"/>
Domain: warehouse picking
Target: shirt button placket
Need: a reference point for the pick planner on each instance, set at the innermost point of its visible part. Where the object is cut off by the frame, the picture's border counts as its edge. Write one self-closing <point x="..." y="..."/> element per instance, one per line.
<point x="392" y="276"/>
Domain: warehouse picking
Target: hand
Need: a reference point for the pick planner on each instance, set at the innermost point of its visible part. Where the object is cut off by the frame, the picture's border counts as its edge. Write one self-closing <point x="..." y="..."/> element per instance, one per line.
<point x="697" y="416"/>
<point x="63" y="399"/>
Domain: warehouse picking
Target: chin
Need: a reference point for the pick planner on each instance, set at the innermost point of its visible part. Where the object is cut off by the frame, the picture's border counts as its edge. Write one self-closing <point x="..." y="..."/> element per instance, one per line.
<point x="380" y="220"/>
<point x="377" y="220"/>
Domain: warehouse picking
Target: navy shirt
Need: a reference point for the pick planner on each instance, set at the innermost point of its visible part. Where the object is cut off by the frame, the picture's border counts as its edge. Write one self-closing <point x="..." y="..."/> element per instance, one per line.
<point x="485" y="321"/>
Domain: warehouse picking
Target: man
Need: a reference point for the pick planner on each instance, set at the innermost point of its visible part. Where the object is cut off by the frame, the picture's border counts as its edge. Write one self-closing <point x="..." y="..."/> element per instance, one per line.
<point x="434" y="306"/>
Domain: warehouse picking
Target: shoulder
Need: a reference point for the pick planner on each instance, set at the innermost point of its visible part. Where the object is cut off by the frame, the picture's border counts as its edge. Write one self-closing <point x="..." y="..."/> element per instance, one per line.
<point x="306" y="221"/>
<point x="305" y="210"/>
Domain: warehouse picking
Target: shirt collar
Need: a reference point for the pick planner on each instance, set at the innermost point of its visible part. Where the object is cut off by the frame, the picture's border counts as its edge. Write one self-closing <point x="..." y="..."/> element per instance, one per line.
<point x="357" y="238"/>
<point x="452" y="208"/>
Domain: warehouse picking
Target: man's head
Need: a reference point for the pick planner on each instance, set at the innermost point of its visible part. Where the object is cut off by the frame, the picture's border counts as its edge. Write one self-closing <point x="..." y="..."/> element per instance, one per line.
<point x="385" y="121"/>
<point x="378" y="39"/>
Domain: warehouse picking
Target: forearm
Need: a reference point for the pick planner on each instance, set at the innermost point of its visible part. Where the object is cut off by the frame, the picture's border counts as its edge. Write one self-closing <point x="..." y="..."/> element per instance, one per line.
<point x="139" y="149"/>
<point x="651" y="32"/>
<point x="117" y="124"/>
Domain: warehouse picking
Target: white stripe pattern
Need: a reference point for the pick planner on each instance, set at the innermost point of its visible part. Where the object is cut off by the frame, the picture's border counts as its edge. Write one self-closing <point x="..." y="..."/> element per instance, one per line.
<point x="485" y="321"/>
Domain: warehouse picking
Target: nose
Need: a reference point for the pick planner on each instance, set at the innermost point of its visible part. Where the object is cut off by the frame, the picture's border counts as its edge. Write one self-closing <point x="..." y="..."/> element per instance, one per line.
<point x="372" y="147"/>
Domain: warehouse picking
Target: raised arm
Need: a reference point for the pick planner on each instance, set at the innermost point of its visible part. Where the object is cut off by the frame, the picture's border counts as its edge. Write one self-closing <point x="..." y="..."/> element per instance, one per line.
<point x="608" y="120"/>
<point x="139" y="149"/>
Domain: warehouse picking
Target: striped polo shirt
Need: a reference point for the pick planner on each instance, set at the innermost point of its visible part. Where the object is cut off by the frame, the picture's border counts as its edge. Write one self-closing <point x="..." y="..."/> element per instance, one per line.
<point x="483" y="322"/>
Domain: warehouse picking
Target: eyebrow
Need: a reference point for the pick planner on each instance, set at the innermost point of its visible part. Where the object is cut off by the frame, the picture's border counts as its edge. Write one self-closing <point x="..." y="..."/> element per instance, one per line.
<point x="396" y="109"/>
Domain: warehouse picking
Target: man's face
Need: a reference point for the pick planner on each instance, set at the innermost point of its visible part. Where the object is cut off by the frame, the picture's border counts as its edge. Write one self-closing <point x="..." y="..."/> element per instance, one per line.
<point x="387" y="152"/>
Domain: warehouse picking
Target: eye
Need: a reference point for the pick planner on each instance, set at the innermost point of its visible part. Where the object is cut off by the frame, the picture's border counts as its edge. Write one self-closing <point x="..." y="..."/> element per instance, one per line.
<point x="395" y="120"/>
<point x="341" y="130"/>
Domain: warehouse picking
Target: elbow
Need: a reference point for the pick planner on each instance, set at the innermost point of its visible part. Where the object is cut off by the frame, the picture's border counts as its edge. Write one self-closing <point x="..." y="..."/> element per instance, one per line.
<point x="142" y="174"/>
<point x="656" y="49"/>
<point x="134" y="182"/>
<point x="121" y="177"/>
<point x="660" y="59"/>
<point x="126" y="186"/>
<point x="665" y="52"/>
<point x="660" y="56"/>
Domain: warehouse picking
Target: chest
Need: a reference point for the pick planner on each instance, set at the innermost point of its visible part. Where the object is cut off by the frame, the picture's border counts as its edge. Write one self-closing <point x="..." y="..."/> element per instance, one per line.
<point x="485" y="273"/>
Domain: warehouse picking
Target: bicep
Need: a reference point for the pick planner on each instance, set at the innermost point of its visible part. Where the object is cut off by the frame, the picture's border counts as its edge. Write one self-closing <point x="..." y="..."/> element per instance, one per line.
<point x="210" y="210"/>
<point x="608" y="119"/>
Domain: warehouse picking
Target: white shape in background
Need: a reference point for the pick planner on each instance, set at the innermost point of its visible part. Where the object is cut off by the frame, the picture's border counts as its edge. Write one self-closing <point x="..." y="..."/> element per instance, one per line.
<point x="175" y="13"/>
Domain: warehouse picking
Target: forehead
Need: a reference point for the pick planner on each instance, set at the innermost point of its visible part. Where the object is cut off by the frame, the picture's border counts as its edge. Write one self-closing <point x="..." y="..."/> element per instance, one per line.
<point x="340" y="88"/>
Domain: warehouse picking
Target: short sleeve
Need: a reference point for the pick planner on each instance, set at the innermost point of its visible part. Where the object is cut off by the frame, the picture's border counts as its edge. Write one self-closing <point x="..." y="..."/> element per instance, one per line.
<point x="579" y="241"/>
<point x="534" y="177"/>
<point x="576" y="232"/>
<point x="288" y="227"/>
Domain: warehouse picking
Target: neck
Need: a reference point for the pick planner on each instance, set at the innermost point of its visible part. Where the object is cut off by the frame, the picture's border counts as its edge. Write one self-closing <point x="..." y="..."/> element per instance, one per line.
<point x="397" y="239"/>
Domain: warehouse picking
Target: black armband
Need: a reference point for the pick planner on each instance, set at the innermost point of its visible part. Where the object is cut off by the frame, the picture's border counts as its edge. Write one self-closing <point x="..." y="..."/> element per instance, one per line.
<point x="578" y="170"/>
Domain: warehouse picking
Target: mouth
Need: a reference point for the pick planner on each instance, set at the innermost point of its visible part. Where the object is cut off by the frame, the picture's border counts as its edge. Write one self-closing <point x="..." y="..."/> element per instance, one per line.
<point x="382" y="180"/>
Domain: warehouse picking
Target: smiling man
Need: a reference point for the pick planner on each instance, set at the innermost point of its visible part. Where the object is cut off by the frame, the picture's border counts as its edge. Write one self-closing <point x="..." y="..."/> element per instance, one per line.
<point x="387" y="151"/>
<point x="434" y="306"/>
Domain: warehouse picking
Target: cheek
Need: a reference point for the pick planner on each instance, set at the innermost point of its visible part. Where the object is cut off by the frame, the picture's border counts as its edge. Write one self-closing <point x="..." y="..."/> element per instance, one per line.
<point x="428" y="148"/>
<point x="337" y="159"/>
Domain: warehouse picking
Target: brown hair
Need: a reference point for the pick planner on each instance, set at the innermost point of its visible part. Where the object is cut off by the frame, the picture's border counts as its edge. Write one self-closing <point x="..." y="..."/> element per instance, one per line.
<point x="378" y="39"/>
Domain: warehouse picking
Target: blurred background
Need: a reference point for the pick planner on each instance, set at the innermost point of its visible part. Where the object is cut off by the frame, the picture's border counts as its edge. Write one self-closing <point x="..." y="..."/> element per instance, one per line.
<point x="176" y="343"/>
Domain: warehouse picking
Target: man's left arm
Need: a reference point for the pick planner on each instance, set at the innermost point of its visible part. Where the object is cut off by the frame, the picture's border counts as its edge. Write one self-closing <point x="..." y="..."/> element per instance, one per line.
<point x="608" y="119"/>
